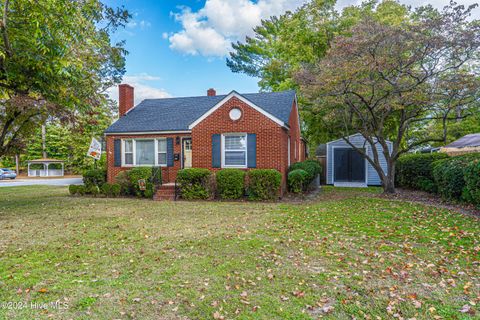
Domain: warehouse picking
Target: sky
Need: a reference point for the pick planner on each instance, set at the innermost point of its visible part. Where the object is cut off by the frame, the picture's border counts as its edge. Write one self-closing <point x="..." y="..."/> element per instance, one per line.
<point x="179" y="47"/>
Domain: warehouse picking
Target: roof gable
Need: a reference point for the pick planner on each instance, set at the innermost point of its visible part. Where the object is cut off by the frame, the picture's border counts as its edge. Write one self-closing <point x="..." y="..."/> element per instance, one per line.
<point x="244" y="100"/>
<point x="177" y="114"/>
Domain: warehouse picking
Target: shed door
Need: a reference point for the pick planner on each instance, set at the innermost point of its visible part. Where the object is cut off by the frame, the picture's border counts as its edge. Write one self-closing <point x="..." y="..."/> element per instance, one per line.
<point x="349" y="165"/>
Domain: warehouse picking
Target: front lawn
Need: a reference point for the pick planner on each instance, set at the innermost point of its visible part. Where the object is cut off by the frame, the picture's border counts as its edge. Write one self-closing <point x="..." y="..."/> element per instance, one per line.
<point x="346" y="255"/>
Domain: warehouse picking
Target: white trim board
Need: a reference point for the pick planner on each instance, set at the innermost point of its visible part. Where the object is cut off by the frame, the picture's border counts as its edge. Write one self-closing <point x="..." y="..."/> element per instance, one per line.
<point x="244" y="100"/>
<point x="145" y="133"/>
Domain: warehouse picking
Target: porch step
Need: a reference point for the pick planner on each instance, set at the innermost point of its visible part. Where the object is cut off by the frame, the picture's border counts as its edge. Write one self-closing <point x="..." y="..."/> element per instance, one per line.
<point x="165" y="192"/>
<point x="350" y="184"/>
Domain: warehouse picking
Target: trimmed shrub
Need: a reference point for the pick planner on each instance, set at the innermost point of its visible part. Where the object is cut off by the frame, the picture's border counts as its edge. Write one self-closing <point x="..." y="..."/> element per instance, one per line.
<point x="94" y="177"/>
<point x="194" y="183"/>
<point x="263" y="184"/>
<point x="311" y="167"/>
<point x="105" y="189"/>
<point x="449" y="176"/>
<point x="123" y="181"/>
<point x="298" y="180"/>
<point x="81" y="190"/>
<point x="230" y="183"/>
<point x="115" y="190"/>
<point x="140" y="173"/>
<point x="93" y="190"/>
<point x="73" y="189"/>
<point x="472" y="182"/>
<point x="414" y="171"/>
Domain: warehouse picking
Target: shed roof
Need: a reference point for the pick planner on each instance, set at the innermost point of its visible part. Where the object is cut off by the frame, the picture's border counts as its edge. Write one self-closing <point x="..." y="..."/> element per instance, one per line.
<point x="470" y="140"/>
<point x="176" y="114"/>
<point x="43" y="160"/>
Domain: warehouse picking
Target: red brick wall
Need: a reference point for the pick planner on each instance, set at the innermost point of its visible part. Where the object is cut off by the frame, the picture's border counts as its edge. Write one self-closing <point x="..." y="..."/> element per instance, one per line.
<point x="271" y="138"/>
<point x="168" y="173"/>
<point x="295" y="141"/>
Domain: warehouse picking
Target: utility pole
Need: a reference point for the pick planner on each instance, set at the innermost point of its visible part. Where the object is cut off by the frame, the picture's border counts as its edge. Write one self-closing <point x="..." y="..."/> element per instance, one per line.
<point x="44" y="144"/>
<point x="17" y="163"/>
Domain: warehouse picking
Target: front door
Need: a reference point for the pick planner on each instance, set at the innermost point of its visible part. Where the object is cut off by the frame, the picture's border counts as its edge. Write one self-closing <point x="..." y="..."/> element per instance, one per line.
<point x="349" y="165"/>
<point x="187" y="152"/>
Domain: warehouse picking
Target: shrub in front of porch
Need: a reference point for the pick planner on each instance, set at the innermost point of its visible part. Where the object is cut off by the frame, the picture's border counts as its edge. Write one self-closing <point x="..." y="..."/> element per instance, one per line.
<point x="195" y="183"/>
<point x="263" y="184"/>
<point x="141" y="173"/>
<point x="230" y="184"/>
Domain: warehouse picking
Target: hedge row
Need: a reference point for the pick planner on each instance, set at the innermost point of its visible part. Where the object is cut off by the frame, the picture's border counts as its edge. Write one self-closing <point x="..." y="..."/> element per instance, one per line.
<point x="126" y="183"/>
<point x="257" y="184"/>
<point x="415" y="171"/>
<point x="457" y="178"/>
<point x="454" y="178"/>
<point x="302" y="174"/>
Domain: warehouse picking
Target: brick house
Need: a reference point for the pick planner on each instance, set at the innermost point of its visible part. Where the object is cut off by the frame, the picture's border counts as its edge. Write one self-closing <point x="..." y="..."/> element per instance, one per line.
<point x="260" y="130"/>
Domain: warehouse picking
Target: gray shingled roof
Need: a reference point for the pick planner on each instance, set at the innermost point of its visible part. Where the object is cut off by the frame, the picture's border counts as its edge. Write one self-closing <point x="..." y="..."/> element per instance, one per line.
<point x="176" y="114"/>
<point x="470" y="140"/>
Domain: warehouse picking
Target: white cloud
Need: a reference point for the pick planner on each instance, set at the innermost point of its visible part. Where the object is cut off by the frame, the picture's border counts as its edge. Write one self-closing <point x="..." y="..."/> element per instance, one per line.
<point x="143" y="88"/>
<point x="211" y="30"/>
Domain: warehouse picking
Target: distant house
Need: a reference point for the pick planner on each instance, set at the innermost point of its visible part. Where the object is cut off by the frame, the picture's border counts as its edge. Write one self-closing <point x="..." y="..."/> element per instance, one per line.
<point x="467" y="144"/>
<point x="245" y="131"/>
<point x="347" y="167"/>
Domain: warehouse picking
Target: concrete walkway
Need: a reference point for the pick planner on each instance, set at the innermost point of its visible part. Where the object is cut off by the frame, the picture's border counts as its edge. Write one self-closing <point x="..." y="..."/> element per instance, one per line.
<point x="40" y="181"/>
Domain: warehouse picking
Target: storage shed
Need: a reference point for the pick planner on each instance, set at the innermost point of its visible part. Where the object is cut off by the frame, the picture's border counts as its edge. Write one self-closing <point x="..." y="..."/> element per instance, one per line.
<point x="347" y="168"/>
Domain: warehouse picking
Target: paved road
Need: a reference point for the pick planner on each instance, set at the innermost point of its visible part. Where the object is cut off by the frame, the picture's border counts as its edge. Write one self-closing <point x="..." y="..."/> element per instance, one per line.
<point x="32" y="182"/>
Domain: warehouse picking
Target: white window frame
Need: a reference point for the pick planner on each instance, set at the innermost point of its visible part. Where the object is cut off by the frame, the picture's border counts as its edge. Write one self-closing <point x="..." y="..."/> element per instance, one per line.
<point x="134" y="152"/>
<point x="223" y="150"/>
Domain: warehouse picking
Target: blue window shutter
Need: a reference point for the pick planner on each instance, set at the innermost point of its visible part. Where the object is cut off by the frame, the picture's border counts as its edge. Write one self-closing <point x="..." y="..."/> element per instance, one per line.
<point x="117" y="153"/>
<point x="252" y="150"/>
<point x="216" y="151"/>
<point x="169" y="152"/>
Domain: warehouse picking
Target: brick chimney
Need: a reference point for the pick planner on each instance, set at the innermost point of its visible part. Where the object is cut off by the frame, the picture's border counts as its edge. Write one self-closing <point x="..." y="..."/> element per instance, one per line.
<point x="125" y="99"/>
<point x="211" y="92"/>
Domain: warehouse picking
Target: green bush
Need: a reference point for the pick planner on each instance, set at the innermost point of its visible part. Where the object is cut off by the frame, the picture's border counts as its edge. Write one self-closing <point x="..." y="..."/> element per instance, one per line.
<point x="81" y="190"/>
<point x="137" y="174"/>
<point x="73" y="189"/>
<point x="311" y="167"/>
<point x="230" y="183"/>
<point x="298" y="180"/>
<point x="94" y="177"/>
<point x="449" y="176"/>
<point x="115" y="190"/>
<point x="93" y="190"/>
<point x="414" y="171"/>
<point x="263" y="184"/>
<point x="194" y="183"/>
<point x="123" y="181"/>
<point x="105" y="189"/>
<point x="472" y="182"/>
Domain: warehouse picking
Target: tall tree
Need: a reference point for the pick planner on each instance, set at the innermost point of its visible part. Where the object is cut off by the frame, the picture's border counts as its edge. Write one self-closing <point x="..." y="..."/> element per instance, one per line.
<point x="56" y="60"/>
<point x="281" y="45"/>
<point x="386" y="81"/>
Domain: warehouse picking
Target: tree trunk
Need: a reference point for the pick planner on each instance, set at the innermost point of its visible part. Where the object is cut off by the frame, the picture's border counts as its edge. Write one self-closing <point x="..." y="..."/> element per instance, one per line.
<point x="388" y="185"/>
<point x="388" y="180"/>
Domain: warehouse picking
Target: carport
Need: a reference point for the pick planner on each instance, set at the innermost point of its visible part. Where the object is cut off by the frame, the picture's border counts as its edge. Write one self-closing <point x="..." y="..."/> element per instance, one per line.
<point x="45" y="169"/>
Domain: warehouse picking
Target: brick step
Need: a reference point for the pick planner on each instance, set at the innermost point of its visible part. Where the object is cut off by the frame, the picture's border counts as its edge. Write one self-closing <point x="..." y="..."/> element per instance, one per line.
<point x="162" y="197"/>
<point x="165" y="192"/>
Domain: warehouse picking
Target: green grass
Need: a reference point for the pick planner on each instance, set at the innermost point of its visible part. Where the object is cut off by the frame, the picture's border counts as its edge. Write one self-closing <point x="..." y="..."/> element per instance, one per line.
<point x="346" y="254"/>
